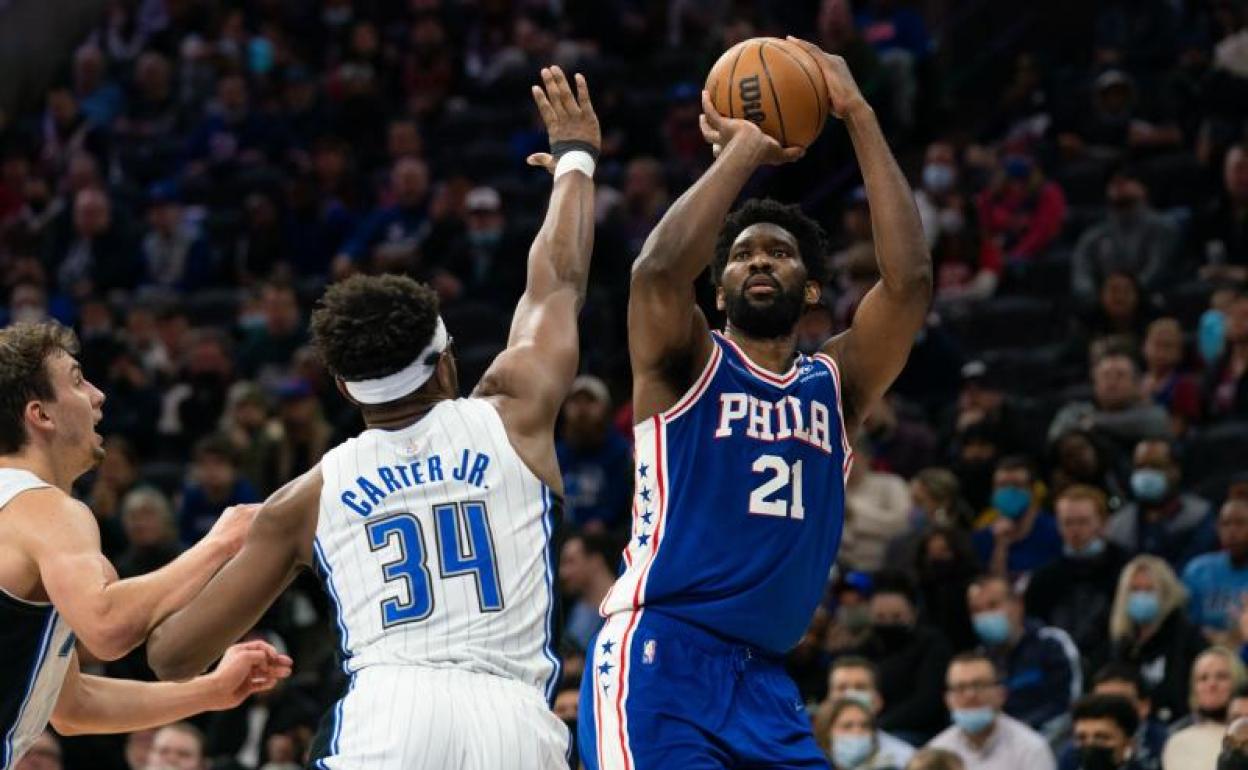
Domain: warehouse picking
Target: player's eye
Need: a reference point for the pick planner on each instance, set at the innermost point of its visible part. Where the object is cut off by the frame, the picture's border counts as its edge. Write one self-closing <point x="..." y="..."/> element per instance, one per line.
<point x="780" y="253"/>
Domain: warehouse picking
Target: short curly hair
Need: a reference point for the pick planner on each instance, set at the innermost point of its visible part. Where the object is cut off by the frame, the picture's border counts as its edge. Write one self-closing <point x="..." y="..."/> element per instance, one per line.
<point x="373" y="326"/>
<point x="812" y="241"/>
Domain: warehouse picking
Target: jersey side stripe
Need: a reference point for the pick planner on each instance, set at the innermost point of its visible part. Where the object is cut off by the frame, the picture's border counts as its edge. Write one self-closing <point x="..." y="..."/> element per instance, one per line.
<point x="328" y="572"/>
<point x="44" y="642"/>
<point x="547" y="644"/>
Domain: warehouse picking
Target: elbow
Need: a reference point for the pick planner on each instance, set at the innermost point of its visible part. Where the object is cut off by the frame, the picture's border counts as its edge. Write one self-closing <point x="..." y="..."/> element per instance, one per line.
<point x="109" y="644"/>
<point x="67" y="725"/>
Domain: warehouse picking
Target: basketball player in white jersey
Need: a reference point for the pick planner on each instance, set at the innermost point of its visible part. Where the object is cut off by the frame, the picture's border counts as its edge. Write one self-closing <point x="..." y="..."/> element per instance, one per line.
<point x="432" y="529"/>
<point x="57" y="589"/>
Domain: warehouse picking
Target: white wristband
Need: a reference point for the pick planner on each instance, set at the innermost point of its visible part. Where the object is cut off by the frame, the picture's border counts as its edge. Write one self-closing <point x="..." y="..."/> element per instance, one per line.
<point x="575" y="160"/>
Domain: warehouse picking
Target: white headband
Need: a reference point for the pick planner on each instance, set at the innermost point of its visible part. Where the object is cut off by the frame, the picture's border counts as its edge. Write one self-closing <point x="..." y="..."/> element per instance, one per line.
<point x="392" y="387"/>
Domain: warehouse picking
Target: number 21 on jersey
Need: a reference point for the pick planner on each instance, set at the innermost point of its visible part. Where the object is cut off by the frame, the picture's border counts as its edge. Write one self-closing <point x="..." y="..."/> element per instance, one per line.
<point x="465" y="547"/>
<point x="782" y="476"/>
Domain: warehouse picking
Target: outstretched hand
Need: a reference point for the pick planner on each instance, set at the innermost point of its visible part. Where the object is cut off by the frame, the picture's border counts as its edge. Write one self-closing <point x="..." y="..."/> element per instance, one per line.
<point x="718" y="131"/>
<point x="568" y="117"/>
<point x="247" y="668"/>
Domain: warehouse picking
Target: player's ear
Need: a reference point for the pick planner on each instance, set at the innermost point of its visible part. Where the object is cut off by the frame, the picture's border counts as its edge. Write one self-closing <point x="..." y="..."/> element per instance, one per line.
<point x="720" y="304"/>
<point x="37" y="416"/>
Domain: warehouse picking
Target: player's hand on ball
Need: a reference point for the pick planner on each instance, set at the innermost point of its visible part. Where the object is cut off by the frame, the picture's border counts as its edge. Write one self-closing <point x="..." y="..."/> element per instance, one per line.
<point x="718" y="131"/>
<point x="232" y="526"/>
<point x="843" y="90"/>
<point x="247" y="668"/>
<point x="568" y="117"/>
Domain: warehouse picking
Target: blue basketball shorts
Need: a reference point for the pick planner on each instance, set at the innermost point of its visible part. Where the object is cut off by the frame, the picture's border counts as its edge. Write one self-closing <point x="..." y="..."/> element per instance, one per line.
<point x="661" y="693"/>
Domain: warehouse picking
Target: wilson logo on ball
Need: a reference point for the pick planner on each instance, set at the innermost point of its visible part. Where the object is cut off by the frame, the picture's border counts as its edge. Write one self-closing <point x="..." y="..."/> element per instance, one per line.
<point x="752" y="99"/>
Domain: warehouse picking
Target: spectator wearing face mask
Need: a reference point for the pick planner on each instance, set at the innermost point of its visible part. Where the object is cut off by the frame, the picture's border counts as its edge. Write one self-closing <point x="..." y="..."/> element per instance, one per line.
<point x="1196" y="740"/>
<point x="910" y="658"/>
<point x="981" y="735"/>
<point x="1133" y="237"/>
<point x="1160" y="519"/>
<point x="1039" y="664"/>
<point x="845" y="729"/>
<point x="1104" y="730"/>
<point x="1149" y="629"/>
<point x="1075" y="591"/>
<point x="1218" y="582"/>
<point x="1122" y="681"/>
<point x="853" y="678"/>
<point x="1019" y="535"/>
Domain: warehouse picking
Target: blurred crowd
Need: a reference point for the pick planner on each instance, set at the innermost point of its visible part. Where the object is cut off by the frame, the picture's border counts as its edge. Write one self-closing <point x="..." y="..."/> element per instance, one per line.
<point x="1045" y="554"/>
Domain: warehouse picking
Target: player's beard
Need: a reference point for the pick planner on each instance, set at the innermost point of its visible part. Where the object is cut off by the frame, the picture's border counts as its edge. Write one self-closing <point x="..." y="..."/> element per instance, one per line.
<point x="774" y="317"/>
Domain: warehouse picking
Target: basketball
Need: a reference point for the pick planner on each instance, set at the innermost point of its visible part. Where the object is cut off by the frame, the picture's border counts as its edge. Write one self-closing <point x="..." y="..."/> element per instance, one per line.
<point x="774" y="84"/>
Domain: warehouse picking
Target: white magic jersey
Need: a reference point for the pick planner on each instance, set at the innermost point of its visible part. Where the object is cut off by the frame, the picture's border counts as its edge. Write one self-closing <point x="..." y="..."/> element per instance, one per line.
<point x="434" y="542"/>
<point x="37" y="647"/>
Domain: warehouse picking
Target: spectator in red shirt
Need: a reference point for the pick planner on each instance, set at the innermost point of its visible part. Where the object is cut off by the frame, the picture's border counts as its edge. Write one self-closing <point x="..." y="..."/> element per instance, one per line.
<point x="1163" y="381"/>
<point x="1020" y="213"/>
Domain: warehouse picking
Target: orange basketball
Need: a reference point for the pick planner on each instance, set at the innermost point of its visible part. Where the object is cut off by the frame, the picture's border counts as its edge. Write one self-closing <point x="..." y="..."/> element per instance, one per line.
<point x="773" y="83"/>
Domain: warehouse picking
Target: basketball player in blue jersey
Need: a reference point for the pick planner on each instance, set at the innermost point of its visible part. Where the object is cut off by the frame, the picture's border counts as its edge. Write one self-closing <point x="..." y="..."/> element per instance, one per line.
<point x="59" y="593"/>
<point x="432" y="529"/>
<point x="742" y="449"/>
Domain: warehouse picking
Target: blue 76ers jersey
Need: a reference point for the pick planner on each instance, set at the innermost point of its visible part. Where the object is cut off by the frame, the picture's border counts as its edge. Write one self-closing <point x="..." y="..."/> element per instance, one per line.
<point x="740" y="499"/>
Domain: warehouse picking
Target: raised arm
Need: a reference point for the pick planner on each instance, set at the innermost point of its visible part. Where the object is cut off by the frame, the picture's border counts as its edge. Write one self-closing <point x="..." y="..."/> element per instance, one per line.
<point x="530" y="379"/>
<point x="666" y="330"/>
<point x="279" y="544"/>
<point x="872" y="352"/>
<point x="113" y="616"/>
<point x="95" y="704"/>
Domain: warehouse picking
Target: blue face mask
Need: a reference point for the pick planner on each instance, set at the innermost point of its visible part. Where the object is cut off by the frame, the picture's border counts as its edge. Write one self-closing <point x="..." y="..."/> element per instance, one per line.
<point x="1012" y="502"/>
<point x="1143" y="607"/>
<point x="1149" y="485"/>
<point x="938" y="178"/>
<point x="974" y="721"/>
<point x="850" y="750"/>
<point x="1211" y="335"/>
<point x="1090" y="550"/>
<point x="993" y="628"/>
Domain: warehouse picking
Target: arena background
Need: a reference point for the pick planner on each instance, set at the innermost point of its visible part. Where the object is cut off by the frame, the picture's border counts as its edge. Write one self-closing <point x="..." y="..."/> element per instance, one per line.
<point x="181" y="178"/>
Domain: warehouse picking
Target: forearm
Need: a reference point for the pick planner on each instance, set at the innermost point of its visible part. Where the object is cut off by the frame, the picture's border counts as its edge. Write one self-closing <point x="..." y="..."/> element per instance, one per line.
<point x="102" y="705"/>
<point x="143" y="602"/>
<point x="682" y="244"/>
<point x="560" y="255"/>
<point x="904" y="262"/>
